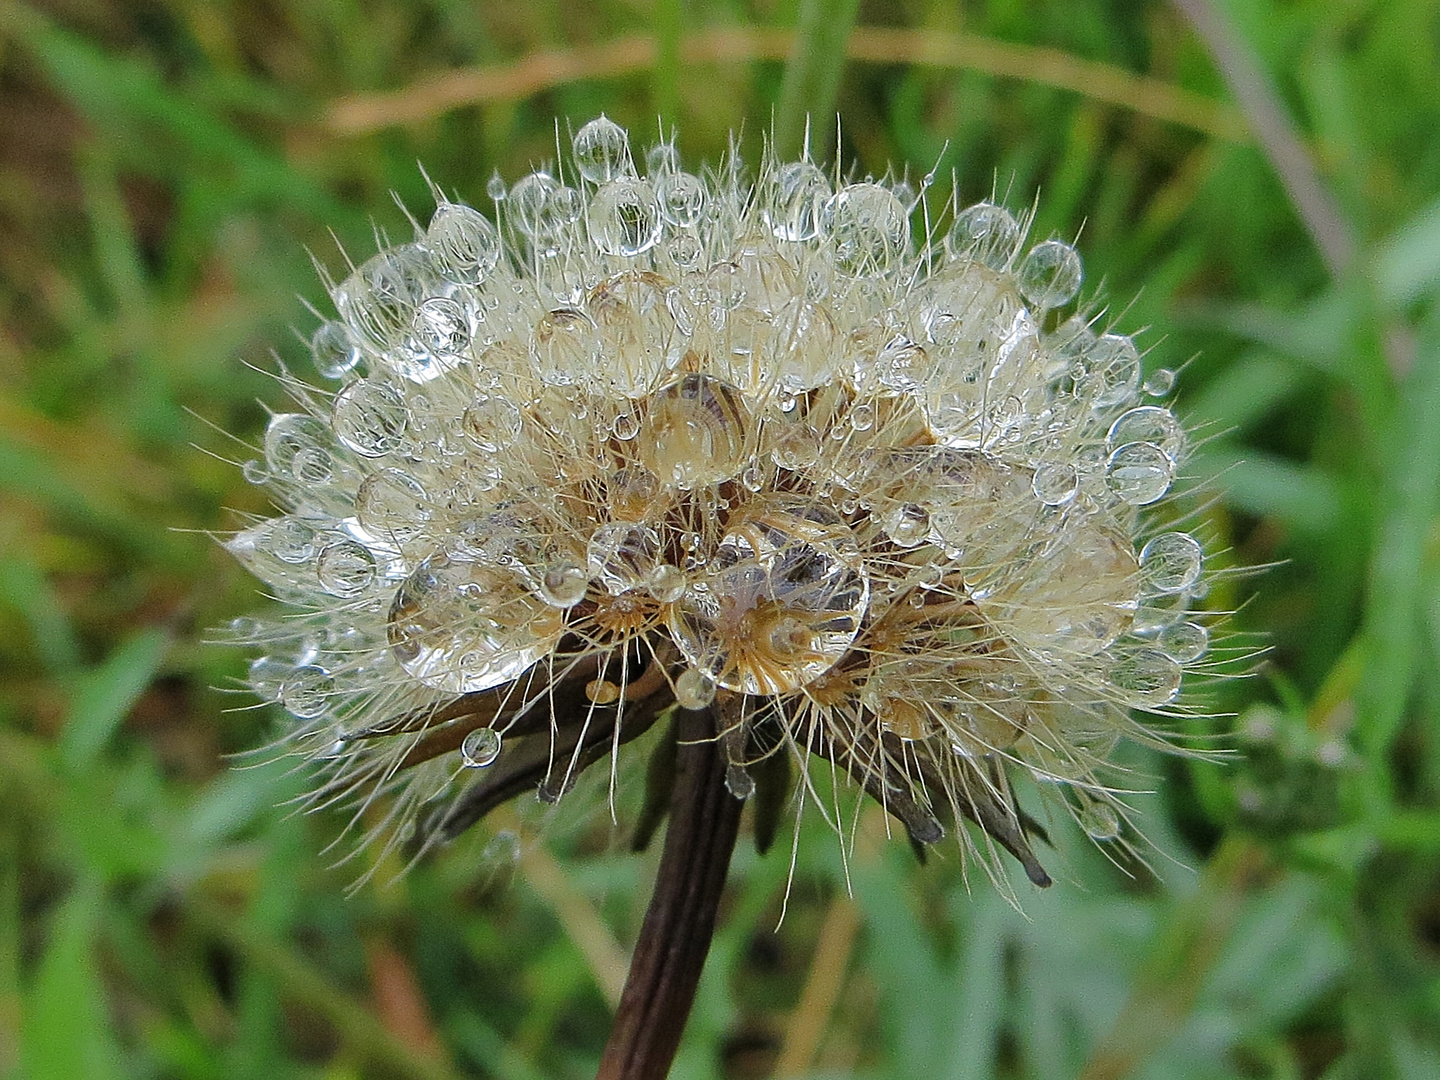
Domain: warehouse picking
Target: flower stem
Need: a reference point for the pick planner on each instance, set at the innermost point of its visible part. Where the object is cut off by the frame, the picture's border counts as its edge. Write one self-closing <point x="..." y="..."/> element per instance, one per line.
<point x="675" y="937"/>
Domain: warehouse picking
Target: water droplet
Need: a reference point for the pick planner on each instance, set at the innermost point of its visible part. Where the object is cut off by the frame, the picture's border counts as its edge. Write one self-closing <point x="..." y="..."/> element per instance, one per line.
<point x="392" y="503"/>
<point x="1100" y="821"/>
<point x="1055" y="483"/>
<point x="694" y="689"/>
<point x="1113" y="373"/>
<point x="267" y="675"/>
<point x="378" y="300"/>
<point x="1171" y="562"/>
<point x="563" y="584"/>
<point x="464" y="626"/>
<point x="462" y="241"/>
<point x="1150" y="424"/>
<point x="803" y="348"/>
<point x="908" y="525"/>
<point x="986" y="233"/>
<point x="480" y="748"/>
<point x="492" y="422"/>
<point x="334" y="350"/>
<point x="369" y="418"/>
<point x="696" y="432"/>
<point x="601" y="150"/>
<point x="753" y="478"/>
<point x="867" y="228"/>
<point x="306" y="691"/>
<point x="800" y="192"/>
<point x="662" y="158"/>
<point x="296" y="447"/>
<point x="622" y="555"/>
<point x="1139" y="473"/>
<point x="781" y="601"/>
<point x="441" y="327"/>
<point x="1160" y="382"/>
<point x="345" y="568"/>
<point x="254" y="472"/>
<point x="624" y="218"/>
<point x="901" y="366"/>
<point x="1050" y="274"/>
<point x="495" y="187"/>
<point x="565" y="346"/>
<point x="1183" y="642"/>
<point x="667" y="583"/>
<point x="1146" y="678"/>
<point x="862" y="417"/>
<point x="290" y="540"/>
<point x="681" y="197"/>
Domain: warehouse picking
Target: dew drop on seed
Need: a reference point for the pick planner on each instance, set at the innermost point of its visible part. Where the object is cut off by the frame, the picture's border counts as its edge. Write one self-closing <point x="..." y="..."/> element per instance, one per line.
<point x="369" y="418"/>
<point x="392" y="503"/>
<point x="306" y="691"/>
<point x="296" y="447"/>
<point x="662" y="158"/>
<point x="1055" y="483"/>
<point x="1146" y="678"/>
<point x="866" y="226"/>
<point x="495" y="187"/>
<point x="1160" y="382"/>
<point x="601" y="150"/>
<point x="492" y="423"/>
<point x="862" y="417"/>
<point x="667" y="583"/>
<point x="985" y="233"/>
<point x="908" y="525"/>
<point x="345" y="568"/>
<point x="1183" y="642"/>
<point x="563" y="584"/>
<point x="441" y="327"/>
<point x="1170" y="563"/>
<point x="1139" y="473"/>
<point x="564" y="345"/>
<point x="462" y="241"/>
<point x="624" y="218"/>
<point x="480" y="748"/>
<point x="622" y="555"/>
<point x="1150" y="424"/>
<point x="1050" y="274"/>
<point x="696" y="432"/>
<point x="681" y="197"/>
<point x="253" y="472"/>
<point x="267" y="675"/>
<point x="527" y="201"/>
<point x="1100" y="822"/>
<point x="334" y="350"/>
<point x="694" y="689"/>
<point x="625" y="426"/>
<point x="290" y="540"/>
<point x="800" y="191"/>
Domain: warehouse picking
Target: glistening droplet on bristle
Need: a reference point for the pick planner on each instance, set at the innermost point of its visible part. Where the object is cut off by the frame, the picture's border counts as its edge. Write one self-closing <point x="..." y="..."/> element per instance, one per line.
<point x="345" y="568"/>
<point x="987" y="233"/>
<point x="694" y="689"/>
<point x="369" y="417"/>
<point x="480" y="748"/>
<point x="800" y="193"/>
<point x="1183" y="642"/>
<point x="601" y="150"/>
<point x="1049" y="275"/>
<point x="306" y="691"/>
<point x="1139" y="473"/>
<point x="1055" y="482"/>
<point x="334" y="350"/>
<point x="563" y="584"/>
<point x="1171" y="562"/>
<point x="624" y="217"/>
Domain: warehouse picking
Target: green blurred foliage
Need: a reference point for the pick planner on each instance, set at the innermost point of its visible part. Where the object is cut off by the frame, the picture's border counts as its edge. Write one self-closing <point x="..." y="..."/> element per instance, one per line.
<point x="164" y="167"/>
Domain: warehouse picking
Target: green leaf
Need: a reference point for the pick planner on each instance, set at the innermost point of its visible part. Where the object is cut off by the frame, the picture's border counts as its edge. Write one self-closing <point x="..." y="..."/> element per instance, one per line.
<point x="1408" y="265"/>
<point x="105" y="695"/>
<point x="812" y="77"/>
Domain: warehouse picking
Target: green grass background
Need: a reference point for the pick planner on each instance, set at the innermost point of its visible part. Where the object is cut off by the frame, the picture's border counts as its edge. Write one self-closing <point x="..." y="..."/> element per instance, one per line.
<point x="164" y="165"/>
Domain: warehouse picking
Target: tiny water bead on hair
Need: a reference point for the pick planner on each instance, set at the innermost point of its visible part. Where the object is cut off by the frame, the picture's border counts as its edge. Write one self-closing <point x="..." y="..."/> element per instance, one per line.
<point x="780" y="450"/>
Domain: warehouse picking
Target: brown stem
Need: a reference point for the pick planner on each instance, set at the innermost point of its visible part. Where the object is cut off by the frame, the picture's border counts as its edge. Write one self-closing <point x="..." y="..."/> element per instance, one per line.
<point x="675" y="937"/>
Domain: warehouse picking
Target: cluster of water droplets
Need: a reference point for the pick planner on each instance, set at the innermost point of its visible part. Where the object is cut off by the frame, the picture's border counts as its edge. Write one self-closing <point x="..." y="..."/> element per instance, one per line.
<point x="830" y="463"/>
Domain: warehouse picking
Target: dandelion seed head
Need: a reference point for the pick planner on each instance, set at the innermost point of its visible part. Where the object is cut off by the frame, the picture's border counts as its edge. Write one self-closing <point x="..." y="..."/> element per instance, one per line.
<point x="754" y="436"/>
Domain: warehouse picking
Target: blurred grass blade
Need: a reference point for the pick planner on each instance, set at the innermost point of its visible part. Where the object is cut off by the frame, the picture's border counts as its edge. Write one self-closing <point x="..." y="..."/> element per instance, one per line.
<point x="1262" y="484"/>
<point x="665" y="80"/>
<point x="27" y="590"/>
<point x="812" y="77"/>
<point x="66" y="1030"/>
<point x="1410" y="263"/>
<point x="1409" y="504"/>
<point x="106" y="694"/>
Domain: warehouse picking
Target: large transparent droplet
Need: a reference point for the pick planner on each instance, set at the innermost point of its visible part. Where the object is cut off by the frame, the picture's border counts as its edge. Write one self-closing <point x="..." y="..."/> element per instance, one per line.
<point x="378" y="300"/>
<point x="622" y="555"/>
<point x="463" y="243"/>
<point x="565" y="346"/>
<point x="986" y="233"/>
<point x="369" y="417"/>
<point x="696" y="432"/>
<point x="1183" y="642"/>
<point x="465" y="626"/>
<point x="1139" y="473"/>
<point x="601" y="150"/>
<point x="1151" y="424"/>
<point x="306" y="691"/>
<point x="1050" y="274"/>
<point x="681" y="197"/>
<point x="297" y="448"/>
<point x="492" y="422"/>
<point x="800" y="192"/>
<point x="345" y="568"/>
<point x="781" y="600"/>
<point x="804" y="347"/>
<point x="867" y="228"/>
<point x="636" y="330"/>
<point x="694" y="689"/>
<point x="480" y="747"/>
<point x="334" y="350"/>
<point x="624" y="217"/>
<point x="392" y="503"/>
<point x="1146" y="678"/>
<point x="1171" y="563"/>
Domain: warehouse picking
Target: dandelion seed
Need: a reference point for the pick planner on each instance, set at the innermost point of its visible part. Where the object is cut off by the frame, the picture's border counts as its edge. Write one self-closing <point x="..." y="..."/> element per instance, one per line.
<point x="754" y="449"/>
